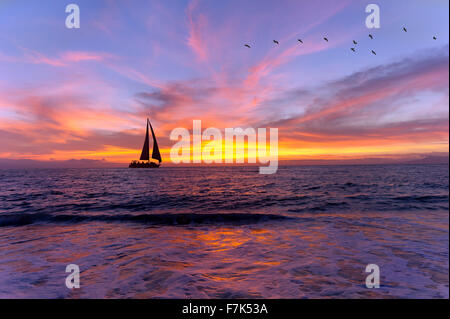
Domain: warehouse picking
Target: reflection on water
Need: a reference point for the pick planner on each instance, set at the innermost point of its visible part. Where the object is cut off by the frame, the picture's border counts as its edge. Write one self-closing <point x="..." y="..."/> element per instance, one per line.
<point x="325" y="257"/>
<point x="314" y="253"/>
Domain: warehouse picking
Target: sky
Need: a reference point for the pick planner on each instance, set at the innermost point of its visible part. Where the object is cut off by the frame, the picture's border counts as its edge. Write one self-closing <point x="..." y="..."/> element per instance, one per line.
<point x="86" y="93"/>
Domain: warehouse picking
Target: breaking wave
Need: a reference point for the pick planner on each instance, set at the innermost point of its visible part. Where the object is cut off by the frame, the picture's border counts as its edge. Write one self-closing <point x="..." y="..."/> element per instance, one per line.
<point x="153" y="219"/>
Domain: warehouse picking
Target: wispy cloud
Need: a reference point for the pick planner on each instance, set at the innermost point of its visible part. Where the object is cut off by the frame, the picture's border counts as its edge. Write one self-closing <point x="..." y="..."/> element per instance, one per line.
<point x="197" y="23"/>
<point x="62" y="60"/>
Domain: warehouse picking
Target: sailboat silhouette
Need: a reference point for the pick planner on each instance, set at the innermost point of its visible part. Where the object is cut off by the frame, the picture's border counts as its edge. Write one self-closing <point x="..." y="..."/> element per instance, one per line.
<point x="145" y="154"/>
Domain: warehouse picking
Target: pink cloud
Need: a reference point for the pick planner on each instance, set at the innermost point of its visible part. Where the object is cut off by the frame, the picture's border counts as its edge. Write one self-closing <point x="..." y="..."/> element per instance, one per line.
<point x="62" y="60"/>
<point x="197" y="23"/>
<point x="78" y="56"/>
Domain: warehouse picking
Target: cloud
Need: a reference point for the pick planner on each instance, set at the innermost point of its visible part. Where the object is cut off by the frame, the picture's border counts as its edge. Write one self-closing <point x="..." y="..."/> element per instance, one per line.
<point x="371" y="92"/>
<point x="351" y="113"/>
<point x="372" y="108"/>
<point x="64" y="59"/>
<point x="196" y="24"/>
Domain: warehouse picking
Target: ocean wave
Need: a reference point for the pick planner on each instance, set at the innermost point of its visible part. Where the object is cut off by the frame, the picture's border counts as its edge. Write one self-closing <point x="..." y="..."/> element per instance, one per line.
<point x="422" y="198"/>
<point x="153" y="219"/>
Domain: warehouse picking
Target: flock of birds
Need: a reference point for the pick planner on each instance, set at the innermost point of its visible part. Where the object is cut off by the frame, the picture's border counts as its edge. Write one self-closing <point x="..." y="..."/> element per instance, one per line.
<point x="326" y="39"/>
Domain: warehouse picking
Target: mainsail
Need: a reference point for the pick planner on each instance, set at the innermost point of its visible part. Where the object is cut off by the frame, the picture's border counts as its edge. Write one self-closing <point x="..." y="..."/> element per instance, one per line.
<point x="145" y="155"/>
<point x="145" y="148"/>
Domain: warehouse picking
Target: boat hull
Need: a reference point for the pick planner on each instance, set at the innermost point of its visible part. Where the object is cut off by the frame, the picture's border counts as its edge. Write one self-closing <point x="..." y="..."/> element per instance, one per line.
<point x="144" y="165"/>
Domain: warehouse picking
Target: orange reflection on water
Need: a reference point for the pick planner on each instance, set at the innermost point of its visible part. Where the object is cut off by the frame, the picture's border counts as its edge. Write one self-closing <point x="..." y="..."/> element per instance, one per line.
<point x="221" y="240"/>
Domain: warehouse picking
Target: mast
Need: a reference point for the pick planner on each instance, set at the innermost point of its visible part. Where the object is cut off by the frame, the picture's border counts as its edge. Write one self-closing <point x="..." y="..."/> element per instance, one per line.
<point x="155" y="153"/>
<point x="145" y="149"/>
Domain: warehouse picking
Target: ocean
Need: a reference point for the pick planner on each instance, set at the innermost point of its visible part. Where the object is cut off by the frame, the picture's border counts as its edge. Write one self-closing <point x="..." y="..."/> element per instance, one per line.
<point x="225" y="232"/>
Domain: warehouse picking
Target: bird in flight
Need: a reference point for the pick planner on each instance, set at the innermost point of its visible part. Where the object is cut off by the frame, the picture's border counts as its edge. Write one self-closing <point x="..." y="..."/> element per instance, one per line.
<point x="300" y="40"/>
<point x="247" y="46"/>
<point x="276" y="42"/>
<point x="434" y="38"/>
<point x="325" y="39"/>
<point x="354" y="42"/>
<point x="404" y="29"/>
<point x="374" y="52"/>
<point x="353" y="49"/>
<point x="371" y="36"/>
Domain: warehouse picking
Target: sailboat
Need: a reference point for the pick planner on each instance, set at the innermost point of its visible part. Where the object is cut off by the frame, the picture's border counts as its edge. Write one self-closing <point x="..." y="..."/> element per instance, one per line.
<point x="145" y="154"/>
